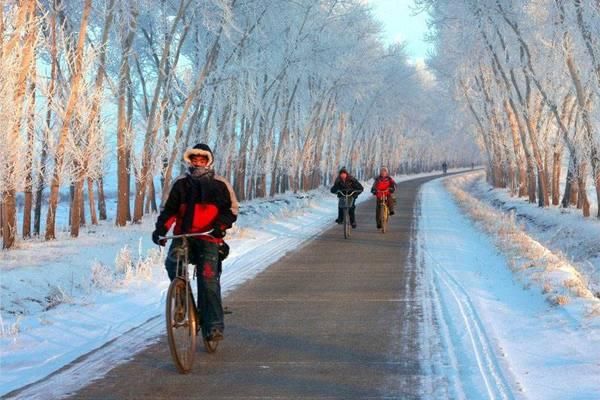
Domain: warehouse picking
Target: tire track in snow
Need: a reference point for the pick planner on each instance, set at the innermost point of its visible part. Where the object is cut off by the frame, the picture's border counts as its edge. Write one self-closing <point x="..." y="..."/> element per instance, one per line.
<point x="495" y="383"/>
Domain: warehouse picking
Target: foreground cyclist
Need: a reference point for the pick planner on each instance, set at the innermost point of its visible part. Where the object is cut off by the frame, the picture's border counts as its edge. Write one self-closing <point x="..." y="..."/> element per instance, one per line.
<point x="384" y="185"/>
<point x="347" y="183"/>
<point x="200" y="201"/>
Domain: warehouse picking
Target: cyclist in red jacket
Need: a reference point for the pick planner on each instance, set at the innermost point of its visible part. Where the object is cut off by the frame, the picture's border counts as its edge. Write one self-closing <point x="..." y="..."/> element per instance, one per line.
<point x="384" y="185"/>
<point x="200" y="201"/>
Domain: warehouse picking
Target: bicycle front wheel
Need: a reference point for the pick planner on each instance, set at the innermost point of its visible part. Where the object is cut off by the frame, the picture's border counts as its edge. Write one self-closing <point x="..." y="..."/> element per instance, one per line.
<point x="346" y="223"/>
<point x="385" y="213"/>
<point x="181" y="324"/>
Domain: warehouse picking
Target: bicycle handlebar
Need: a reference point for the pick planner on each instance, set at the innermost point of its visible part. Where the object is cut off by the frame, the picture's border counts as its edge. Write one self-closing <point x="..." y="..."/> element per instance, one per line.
<point x="186" y="235"/>
<point x="347" y="194"/>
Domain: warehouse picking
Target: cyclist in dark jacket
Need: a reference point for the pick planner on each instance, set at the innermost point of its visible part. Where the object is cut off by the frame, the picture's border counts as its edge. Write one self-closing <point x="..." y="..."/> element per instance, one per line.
<point x="200" y="201"/>
<point x="347" y="183"/>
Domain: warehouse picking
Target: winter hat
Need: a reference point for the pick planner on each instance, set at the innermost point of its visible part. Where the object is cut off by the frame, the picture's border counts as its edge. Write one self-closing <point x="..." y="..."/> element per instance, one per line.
<point x="343" y="171"/>
<point x="200" y="149"/>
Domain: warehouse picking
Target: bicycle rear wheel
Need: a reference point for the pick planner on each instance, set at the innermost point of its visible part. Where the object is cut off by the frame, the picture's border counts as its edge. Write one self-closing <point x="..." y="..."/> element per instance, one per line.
<point x="181" y="325"/>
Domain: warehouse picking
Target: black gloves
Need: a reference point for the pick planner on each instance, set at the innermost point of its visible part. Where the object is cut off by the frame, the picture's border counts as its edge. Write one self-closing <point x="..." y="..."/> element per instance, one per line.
<point x="218" y="233"/>
<point x="156" y="238"/>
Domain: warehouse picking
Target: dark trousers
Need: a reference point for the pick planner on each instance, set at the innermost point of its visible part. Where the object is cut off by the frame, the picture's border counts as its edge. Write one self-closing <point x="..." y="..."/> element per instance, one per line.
<point x="351" y="211"/>
<point x="205" y="256"/>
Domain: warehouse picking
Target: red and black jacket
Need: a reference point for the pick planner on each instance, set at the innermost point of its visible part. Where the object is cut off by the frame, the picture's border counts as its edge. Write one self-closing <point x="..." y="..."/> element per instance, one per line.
<point x="197" y="205"/>
<point x="383" y="185"/>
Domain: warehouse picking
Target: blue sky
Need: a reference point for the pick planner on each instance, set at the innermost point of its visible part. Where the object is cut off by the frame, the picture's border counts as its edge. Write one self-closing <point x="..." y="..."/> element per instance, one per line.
<point x="400" y="24"/>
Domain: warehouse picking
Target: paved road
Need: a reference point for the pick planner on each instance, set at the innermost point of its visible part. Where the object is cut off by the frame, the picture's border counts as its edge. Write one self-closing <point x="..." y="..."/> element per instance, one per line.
<point x="335" y="319"/>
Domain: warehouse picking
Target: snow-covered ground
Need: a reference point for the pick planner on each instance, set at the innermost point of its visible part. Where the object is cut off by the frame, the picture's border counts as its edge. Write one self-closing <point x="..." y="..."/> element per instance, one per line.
<point x="563" y="231"/>
<point x="101" y="295"/>
<point x="489" y="331"/>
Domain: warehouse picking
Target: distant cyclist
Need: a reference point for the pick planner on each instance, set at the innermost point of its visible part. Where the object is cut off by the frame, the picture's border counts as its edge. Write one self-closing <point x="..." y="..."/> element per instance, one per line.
<point x="200" y="201"/>
<point x="384" y="185"/>
<point x="347" y="183"/>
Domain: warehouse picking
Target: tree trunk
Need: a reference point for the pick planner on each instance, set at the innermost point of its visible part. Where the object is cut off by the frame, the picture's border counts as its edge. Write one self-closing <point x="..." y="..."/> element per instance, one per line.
<point x="29" y="159"/>
<point x="76" y="209"/>
<point x="583" y="203"/>
<point x="518" y="151"/>
<point x="67" y="116"/>
<point x="283" y="137"/>
<point x="556" y="166"/>
<point x="124" y="128"/>
<point x="41" y="179"/>
<point x="92" y="202"/>
<point x="24" y="23"/>
<point x="101" y="199"/>
<point x="9" y="220"/>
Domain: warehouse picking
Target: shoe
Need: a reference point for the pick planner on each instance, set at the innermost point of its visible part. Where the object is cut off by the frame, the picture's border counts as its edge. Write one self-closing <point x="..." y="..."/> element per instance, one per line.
<point x="378" y="226"/>
<point x="338" y="221"/>
<point x="353" y="226"/>
<point x="215" y="335"/>
<point x="392" y="213"/>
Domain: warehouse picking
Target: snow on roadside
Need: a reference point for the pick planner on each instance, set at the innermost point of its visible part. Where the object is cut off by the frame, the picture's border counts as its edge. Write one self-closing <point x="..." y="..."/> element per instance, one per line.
<point x="563" y="231"/>
<point x="534" y="264"/>
<point x="61" y="300"/>
<point x="498" y="335"/>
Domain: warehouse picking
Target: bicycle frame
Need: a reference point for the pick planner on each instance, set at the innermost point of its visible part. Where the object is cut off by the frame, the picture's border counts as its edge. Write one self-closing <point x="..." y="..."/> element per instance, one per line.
<point x="183" y="261"/>
<point x="346" y="203"/>
<point x="382" y="209"/>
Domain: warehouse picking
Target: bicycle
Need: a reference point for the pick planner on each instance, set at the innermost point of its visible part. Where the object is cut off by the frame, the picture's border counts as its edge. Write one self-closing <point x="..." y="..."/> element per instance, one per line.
<point x="383" y="211"/>
<point x="182" y="317"/>
<point x="346" y="202"/>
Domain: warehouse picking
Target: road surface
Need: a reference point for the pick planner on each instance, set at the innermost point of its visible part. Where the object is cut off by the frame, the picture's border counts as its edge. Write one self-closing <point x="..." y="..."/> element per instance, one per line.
<point x="335" y="319"/>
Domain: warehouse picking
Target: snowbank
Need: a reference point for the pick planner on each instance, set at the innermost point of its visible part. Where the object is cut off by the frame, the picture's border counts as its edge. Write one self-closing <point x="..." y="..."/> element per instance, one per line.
<point x="563" y="231"/>
<point x="533" y="263"/>
<point x="497" y="335"/>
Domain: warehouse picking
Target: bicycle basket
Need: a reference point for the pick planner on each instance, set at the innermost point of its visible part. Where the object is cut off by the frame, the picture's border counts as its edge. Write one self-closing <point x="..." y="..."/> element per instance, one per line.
<point x="346" y="202"/>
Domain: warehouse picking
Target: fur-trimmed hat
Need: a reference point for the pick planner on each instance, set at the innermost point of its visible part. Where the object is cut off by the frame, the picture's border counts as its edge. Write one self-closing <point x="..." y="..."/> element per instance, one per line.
<point x="200" y="149"/>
